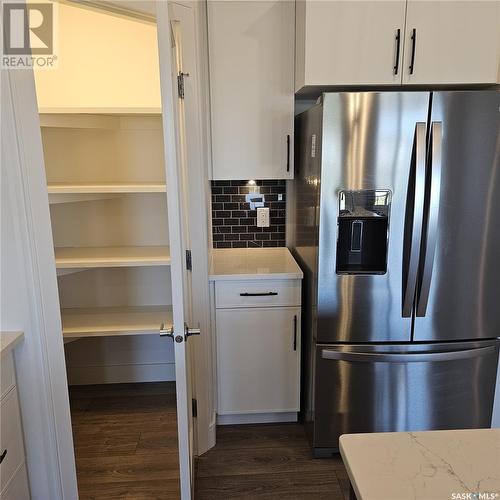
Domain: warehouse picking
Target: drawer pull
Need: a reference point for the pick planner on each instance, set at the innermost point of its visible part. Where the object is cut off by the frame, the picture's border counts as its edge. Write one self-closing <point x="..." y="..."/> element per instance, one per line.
<point x="260" y="294"/>
<point x="3" y="455"/>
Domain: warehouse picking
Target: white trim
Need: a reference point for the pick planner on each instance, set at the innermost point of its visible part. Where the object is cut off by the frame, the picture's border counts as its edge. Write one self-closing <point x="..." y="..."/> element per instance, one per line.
<point x="256" y="418"/>
<point x="40" y="359"/>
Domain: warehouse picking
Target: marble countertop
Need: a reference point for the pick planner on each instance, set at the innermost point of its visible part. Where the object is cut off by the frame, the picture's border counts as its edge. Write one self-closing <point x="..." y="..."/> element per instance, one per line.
<point x="9" y="340"/>
<point x="253" y="263"/>
<point x="431" y="465"/>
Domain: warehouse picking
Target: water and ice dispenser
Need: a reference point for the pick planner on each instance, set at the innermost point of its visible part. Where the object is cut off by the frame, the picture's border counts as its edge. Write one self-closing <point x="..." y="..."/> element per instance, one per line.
<point x="363" y="226"/>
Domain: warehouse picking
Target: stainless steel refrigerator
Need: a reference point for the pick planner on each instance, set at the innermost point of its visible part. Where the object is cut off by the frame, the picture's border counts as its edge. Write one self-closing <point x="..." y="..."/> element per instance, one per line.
<point x="395" y="220"/>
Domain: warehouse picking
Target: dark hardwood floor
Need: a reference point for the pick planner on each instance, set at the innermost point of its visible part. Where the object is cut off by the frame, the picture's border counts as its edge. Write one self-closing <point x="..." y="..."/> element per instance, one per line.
<point x="270" y="461"/>
<point x="126" y="448"/>
<point x="125" y="439"/>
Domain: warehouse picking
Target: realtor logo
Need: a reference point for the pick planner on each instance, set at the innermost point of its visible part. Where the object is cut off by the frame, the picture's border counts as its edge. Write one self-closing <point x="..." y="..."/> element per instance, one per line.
<point x="28" y="39"/>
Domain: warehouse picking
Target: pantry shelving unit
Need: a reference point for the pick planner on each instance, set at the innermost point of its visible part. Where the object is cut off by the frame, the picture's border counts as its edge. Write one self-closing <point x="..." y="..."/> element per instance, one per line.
<point x="107" y="193"/>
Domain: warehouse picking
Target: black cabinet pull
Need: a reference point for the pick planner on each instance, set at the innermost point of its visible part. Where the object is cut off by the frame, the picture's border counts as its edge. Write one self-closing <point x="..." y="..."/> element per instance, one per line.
<point x="260" y="294"/>
<point x="288" y="153"/>
<point x="413" y="45"/>
<point x="295" y="333"/>
<point x="398" y="43"/>
<point x="3" y="455"/>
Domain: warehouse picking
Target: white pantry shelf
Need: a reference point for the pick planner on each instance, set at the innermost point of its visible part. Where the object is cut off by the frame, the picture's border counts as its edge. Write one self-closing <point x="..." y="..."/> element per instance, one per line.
<point x="54" y="188"/>
<point x="114" y="321"/>
<point x="100" y="111"/>
<point x="126" y="256"/>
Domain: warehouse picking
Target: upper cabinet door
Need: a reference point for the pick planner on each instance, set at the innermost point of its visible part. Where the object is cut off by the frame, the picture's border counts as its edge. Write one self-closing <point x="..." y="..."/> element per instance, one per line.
<point x="349" y="42"/>
<point x="451" y="42"/>
<point x="251" y="84"/>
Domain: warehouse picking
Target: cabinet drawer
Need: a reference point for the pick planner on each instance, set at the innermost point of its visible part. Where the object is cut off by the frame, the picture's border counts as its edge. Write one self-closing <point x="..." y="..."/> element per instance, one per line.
<point x="11" y="438"/>
<point x="7" y="374"/>
<point x="263" y="293"/>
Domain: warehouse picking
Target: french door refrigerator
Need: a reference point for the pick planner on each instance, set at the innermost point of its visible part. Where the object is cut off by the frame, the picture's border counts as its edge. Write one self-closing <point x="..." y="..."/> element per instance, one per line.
<point x="395" y="220"/>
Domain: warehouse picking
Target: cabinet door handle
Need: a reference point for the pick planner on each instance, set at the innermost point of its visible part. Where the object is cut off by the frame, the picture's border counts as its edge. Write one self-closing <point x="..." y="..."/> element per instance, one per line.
<point x="259" y="294"/>
<point x="398" y="43"/>
<point x="3" y="455"/>
<point x="413" y="46"/>
<point x="295" y="332"/>
<point x="288" y="153"/>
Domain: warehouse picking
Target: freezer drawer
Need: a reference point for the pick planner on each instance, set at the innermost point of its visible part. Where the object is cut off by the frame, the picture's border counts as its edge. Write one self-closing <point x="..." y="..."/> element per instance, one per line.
<point x="377" y="388"/>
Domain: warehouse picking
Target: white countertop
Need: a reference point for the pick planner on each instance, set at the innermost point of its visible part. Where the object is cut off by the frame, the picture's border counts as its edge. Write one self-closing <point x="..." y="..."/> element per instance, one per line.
<point x="9" y="340"/>
<point x="429" y="465"/>
<point x="253" y="263"/>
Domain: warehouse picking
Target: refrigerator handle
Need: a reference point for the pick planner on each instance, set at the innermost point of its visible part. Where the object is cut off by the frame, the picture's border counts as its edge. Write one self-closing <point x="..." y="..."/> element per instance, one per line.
<point x="432" y="211"/>
<point x="371" y="357"/>
<point x="413" y="220"/>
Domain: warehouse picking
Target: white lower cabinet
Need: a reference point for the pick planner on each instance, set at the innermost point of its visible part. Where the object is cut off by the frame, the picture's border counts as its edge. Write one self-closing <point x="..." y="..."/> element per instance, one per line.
<point x="258" y="360"/>
<point x="13" y="477"/>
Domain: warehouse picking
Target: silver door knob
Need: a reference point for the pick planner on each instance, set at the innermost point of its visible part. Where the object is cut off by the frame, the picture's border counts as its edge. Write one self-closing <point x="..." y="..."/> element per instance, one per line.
<point x="192" y="331"/>
<point x="166" y="332"/>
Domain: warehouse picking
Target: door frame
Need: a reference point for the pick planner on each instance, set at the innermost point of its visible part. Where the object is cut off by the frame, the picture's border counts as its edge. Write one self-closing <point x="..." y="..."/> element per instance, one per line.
<point x="43" y="380"/>
<point x="43" y="387"/>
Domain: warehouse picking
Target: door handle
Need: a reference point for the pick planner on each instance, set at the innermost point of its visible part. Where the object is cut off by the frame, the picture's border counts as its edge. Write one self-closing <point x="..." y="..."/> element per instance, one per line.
<point x="188" y="332"/>
<point x="258" y="294"/>
<point x="288" y="153"/>
<point x="413" y="220"/>
<point x="371" y="357"/>
<point x="434" y="154"/>
<point x="398" y="44"/>
<point x="413" y="47"/>
<point x="166" y="332"/>
<point x="295" y="332"/>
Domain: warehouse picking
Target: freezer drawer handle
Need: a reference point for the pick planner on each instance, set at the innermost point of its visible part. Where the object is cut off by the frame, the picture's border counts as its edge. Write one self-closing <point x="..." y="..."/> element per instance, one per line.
<point x="259" y="294"/>
<point x="371" y="357"/>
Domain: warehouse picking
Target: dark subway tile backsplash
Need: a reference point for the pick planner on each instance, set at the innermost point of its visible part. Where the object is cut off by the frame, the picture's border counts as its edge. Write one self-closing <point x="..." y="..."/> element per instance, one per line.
<point x="234" y="224"/>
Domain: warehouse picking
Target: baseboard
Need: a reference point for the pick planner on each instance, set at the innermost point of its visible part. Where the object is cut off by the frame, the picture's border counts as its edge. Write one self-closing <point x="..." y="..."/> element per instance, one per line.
<point x="212" y="431"/>
<point x="256" y="418"/>
<point x="121" y="374"/>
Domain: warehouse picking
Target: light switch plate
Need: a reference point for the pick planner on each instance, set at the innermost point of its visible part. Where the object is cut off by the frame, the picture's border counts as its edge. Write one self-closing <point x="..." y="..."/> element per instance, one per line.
<point x="263" y="217"/>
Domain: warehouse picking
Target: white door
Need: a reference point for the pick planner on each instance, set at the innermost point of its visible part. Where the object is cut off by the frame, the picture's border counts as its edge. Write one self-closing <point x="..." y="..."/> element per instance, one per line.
<point x="451" y="42"/>
<point x="349" y="42"/>
<point x="170" y="53"/>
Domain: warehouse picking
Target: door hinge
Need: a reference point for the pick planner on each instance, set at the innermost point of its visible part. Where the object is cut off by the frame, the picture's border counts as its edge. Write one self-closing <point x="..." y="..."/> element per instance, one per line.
<point x="189" y="261"/>
<point x="180" y="84"/>
<point x="195" y="407"/>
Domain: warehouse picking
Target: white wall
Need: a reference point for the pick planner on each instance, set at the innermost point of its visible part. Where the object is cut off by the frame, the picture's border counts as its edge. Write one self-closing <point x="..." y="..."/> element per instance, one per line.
<point x="104" y="61"/>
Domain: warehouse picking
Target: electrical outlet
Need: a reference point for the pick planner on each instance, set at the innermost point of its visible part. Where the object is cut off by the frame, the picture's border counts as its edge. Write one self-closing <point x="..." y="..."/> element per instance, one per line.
<point x="263" y="217"/>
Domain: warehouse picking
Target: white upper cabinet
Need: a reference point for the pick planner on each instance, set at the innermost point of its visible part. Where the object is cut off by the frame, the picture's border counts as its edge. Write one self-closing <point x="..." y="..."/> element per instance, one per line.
<point x="251" y="84"/>
<point x="349" y="42"/>
<point x="456" y="42"/>
<point x="396" y="42"/>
